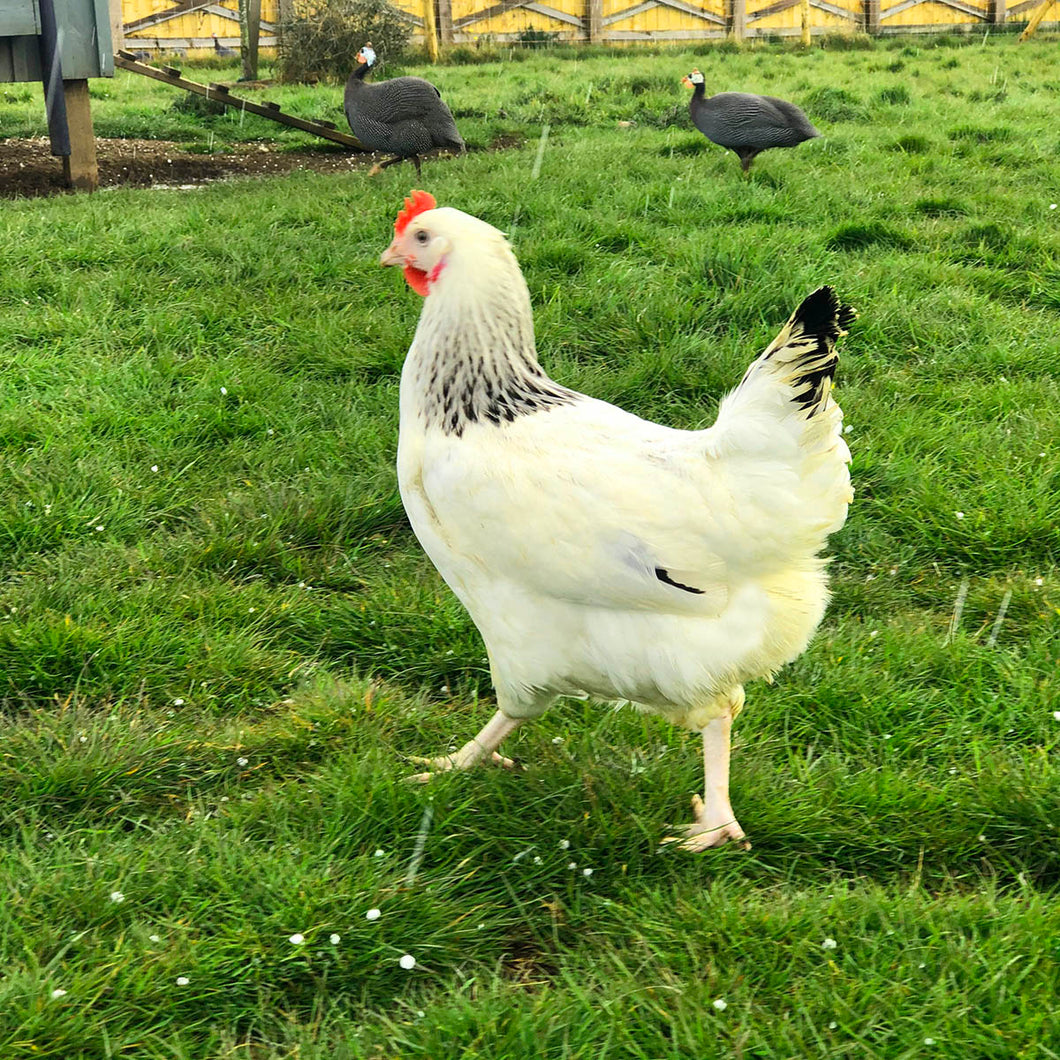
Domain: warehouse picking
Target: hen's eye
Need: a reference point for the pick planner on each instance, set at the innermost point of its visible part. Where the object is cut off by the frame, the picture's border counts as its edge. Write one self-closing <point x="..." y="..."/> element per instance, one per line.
<point x="422" y="237"/>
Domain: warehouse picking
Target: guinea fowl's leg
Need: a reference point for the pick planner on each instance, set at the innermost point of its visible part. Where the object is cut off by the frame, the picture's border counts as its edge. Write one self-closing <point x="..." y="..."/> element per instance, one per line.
<point x="715" y="823"/>
<point x="484" y="743"/>
<point x="380" y="166"/>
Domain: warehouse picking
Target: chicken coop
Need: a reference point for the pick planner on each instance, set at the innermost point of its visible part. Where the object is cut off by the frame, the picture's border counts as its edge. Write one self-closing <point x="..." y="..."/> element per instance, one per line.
<point x="61" y="43"/>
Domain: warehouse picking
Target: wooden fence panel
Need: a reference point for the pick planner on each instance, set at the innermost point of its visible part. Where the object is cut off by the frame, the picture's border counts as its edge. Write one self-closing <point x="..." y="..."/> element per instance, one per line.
<point x="630" y="20"/>
<point x="510" y="19"/>
<point x="168" y="25"/>
<point x="898" y="16"/>
<point x="784" y="17"/>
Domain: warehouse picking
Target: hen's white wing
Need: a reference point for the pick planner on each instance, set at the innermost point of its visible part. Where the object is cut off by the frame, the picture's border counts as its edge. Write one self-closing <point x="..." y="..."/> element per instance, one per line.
<point x="593" y="505"/>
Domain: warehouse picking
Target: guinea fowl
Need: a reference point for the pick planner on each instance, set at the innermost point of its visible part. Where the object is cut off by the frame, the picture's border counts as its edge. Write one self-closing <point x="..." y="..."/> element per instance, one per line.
<point x="746" y="123"/>
<point x="597" y="552"/>
<point x="404" y="116"/>
<point x="221" y="50"/>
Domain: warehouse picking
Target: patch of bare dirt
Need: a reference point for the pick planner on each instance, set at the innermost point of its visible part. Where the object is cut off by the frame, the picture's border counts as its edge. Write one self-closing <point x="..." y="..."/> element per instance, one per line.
<point x="28" y="168"/>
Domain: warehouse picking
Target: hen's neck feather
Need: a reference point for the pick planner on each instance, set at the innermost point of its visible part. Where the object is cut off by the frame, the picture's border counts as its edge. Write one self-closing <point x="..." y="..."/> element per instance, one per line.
<point x="473" y="359"/>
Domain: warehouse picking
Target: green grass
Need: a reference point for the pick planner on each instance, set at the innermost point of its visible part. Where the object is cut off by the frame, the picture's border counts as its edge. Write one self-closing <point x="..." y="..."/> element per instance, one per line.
<point x="211" y="672"/>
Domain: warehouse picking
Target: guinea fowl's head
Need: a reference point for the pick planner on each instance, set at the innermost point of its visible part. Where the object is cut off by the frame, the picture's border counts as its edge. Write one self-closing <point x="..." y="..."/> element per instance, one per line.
<point x="366" y="55"/>
<point x="693" y="79"/>
<point x="447" y="249"/>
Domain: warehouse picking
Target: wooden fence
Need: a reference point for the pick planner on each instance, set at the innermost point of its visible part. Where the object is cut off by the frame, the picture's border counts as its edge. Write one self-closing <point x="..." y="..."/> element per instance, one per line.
<point x="164" y="27"/>
<point x="616" y="21"/>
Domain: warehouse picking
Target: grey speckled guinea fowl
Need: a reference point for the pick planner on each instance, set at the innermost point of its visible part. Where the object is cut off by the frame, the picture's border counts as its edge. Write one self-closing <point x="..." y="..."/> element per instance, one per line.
<point x="745" y="123"/>
<point x="404" y="116"/>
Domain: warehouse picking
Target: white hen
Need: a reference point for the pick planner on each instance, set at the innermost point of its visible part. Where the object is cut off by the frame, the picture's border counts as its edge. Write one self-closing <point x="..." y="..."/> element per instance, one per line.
<point x="597" y="552"/>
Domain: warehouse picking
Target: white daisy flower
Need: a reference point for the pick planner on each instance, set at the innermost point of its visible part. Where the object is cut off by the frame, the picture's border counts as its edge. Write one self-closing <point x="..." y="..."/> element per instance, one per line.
<point x="182" y="980"/>
<point x="408" y="962"/>
<point x="296" y="939"/>
<point x="721" y="1004"/>
<point x="373" y="914"/>
<point x="829" y="944"/>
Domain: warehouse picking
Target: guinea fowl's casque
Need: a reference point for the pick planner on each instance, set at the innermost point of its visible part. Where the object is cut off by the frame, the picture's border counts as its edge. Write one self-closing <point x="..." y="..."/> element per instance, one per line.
<point x="404" y="116"/>
<point x="745" y="123"/>
<point x="598" y="552"/>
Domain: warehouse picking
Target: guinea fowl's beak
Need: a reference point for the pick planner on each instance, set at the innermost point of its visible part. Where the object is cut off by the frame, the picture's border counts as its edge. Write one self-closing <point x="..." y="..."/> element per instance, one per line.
<point x="392" y="256"/>
<point x="686" y="80"/>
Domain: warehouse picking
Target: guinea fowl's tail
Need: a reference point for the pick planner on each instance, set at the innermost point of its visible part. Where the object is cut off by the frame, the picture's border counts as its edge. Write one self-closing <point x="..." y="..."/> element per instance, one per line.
<point x="782" y="430"/>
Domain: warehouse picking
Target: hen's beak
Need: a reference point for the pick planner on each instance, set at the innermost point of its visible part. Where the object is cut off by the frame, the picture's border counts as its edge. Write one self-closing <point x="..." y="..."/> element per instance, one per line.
<point x="392" y="256"/>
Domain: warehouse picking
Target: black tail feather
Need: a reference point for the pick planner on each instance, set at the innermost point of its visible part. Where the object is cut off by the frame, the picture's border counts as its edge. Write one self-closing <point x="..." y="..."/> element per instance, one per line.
<point x="822" y="314"/>
<point x="823" y="317"/>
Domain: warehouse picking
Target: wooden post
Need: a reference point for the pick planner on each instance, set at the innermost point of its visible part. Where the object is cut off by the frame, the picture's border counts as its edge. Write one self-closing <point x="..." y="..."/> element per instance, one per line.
<point x="430" y="30"/>
<point x="872" y="17"/>
<point x="249" y="32"/>
<point x="594" y="16"/>
<point x="445" y="21"/>
<point x="998" y="12"/>
<point x="806" y="17"/>
<point x="1036" y="18"/>
<point x="737" y="19"/>
<point x="79" y="166"/>
<point x="117" y="26"/>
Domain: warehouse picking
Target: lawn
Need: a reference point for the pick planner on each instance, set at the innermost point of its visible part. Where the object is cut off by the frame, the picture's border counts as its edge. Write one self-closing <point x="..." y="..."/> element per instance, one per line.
<point x="219" y="640"/>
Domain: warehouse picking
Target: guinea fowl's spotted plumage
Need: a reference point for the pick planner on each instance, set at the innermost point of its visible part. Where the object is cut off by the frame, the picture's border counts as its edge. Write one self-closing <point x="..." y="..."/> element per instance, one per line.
<point x="597" y="552"/>
<point x="404" y="116"/>
<point x="222" y="51"/>
<point x="746" y="123"/>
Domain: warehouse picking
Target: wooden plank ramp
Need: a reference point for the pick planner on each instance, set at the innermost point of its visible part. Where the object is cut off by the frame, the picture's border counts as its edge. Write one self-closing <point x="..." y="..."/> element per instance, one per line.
<point x="170" y="75"/>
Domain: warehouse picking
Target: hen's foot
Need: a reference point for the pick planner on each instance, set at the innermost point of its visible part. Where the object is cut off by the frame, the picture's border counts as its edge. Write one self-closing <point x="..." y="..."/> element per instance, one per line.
<point x="447" y="763"/>
<point x="711" y="828"/>
<point x="485" y="743"/>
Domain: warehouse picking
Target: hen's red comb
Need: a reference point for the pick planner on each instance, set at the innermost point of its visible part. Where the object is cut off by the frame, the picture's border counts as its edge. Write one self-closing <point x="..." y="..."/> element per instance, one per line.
<point x="420" y="202"/>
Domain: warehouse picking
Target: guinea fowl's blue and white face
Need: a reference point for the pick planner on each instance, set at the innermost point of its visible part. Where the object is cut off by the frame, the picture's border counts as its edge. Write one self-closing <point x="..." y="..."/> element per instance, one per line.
<point x="693" y="79"/>
<point x="366" y="55"/>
